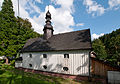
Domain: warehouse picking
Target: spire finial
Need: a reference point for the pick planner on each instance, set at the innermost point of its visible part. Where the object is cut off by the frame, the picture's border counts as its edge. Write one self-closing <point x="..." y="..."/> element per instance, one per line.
<point x="48" y="7"/>
<point x="48" y="15"/>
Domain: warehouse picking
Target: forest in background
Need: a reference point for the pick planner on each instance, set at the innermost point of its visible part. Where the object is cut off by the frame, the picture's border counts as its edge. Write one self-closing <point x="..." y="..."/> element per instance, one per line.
<point x="107" y="47"/>
<point x="14" y="31"/>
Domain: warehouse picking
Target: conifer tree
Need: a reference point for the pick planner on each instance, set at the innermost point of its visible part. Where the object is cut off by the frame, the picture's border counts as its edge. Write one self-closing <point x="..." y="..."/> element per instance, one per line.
<point x="7" y="9"/>
<point x="13" y="37"/>
<point x="99" y="48"/>
<point x="8" y="28"/>
<point x="108" y="44"/>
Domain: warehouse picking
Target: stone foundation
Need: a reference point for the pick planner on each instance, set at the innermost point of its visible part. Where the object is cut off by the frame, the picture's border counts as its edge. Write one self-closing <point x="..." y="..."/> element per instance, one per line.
<point x="74" y="77"/>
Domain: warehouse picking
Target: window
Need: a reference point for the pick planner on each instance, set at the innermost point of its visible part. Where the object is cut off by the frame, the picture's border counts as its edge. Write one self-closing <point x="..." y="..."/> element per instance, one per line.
<point x="45" y="67"/>
<point x="30" y="55"/>
<point x="30" y="65"/>
<point x="66" y="55"/>
<point x="19" y="59"/>
<point x="44" y="55"/>
<point x="65" y="68"/>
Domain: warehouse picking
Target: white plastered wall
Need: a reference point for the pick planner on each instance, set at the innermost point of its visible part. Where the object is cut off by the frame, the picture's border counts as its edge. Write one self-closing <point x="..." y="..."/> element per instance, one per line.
<point x="77" y="63"/>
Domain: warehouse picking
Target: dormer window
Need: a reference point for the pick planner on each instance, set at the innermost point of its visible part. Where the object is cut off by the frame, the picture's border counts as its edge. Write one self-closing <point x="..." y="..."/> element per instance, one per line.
<point x="44" y="55"/>
<point x="66" y="55"/>
<point x="30" y="55"/>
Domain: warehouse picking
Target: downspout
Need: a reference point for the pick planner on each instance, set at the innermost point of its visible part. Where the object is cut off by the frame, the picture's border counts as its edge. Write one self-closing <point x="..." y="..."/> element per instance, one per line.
<point x="89" y="78"/>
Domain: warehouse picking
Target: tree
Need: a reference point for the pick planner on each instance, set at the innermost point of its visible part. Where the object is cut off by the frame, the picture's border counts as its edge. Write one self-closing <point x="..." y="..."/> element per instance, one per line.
<point x="8" y="28"/>
<point x="99" y="48"/>
<point x="25" y="32"/>
<point x="7" y="9"/>
<point x="115" y="49"/>
<point x="111" y="45"/>
<point x="13" y="31"/>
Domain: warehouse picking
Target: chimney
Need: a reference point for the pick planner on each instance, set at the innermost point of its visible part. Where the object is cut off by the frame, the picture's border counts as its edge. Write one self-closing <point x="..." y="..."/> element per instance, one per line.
<point x="48" y="28"/>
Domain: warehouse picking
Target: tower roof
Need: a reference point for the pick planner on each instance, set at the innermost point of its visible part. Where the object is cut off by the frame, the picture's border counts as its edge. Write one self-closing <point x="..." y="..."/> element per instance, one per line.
<point x="48" y="22"/>
<point x="48" y="15"/>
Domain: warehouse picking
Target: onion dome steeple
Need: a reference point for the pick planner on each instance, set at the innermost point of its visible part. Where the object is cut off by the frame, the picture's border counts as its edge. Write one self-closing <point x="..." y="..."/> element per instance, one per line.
<point x="48" y="28"/>
<point x="48" y="15"/>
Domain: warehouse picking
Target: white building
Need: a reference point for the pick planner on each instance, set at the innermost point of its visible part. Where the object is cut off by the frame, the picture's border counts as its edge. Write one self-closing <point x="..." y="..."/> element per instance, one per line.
<point x="67" y="53"/>
<point x="2" y="57"/>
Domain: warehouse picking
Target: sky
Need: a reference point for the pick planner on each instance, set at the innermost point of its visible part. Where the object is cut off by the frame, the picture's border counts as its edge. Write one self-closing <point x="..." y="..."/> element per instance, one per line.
<point x="101" y="16"/>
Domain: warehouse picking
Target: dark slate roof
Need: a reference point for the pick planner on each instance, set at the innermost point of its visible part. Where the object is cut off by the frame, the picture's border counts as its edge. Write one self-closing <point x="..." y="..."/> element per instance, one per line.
<point x="77" y="40"/>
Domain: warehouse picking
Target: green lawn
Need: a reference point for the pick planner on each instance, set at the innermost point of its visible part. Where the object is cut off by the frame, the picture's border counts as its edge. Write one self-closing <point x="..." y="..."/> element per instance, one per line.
<point x="19" y="77"/>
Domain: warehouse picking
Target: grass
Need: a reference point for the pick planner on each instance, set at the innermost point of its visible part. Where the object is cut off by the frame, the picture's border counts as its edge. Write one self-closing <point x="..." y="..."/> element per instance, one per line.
<point x="9" y="77"/>
<point x="19" y="77"/>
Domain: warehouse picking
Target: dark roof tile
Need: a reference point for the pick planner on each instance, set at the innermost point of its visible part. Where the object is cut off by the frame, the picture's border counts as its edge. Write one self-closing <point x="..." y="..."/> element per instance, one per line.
<point x="76" y="40"/>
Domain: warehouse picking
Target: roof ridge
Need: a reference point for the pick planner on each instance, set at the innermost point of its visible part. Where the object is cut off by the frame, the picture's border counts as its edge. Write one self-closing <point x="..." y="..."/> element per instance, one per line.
<point x="72" y="32"/>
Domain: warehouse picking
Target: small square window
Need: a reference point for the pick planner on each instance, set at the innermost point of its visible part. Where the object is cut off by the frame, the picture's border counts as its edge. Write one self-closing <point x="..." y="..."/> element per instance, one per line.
<point x="30" y="55"/>
<point x="44" y="55"/>
<point x="30" y="65"/>
<point x="66" y="55"/>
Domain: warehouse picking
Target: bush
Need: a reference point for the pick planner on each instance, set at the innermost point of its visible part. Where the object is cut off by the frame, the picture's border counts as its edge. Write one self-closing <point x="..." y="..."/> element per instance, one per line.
<point x="1" y="72"/>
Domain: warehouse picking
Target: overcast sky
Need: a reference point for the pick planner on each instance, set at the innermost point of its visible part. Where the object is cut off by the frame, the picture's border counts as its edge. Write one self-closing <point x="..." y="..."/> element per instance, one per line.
<point x="101" y="16"/>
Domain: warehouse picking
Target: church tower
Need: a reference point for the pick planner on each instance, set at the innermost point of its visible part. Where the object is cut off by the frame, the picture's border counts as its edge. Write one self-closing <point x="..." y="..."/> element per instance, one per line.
<point x="48" y="28"/>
